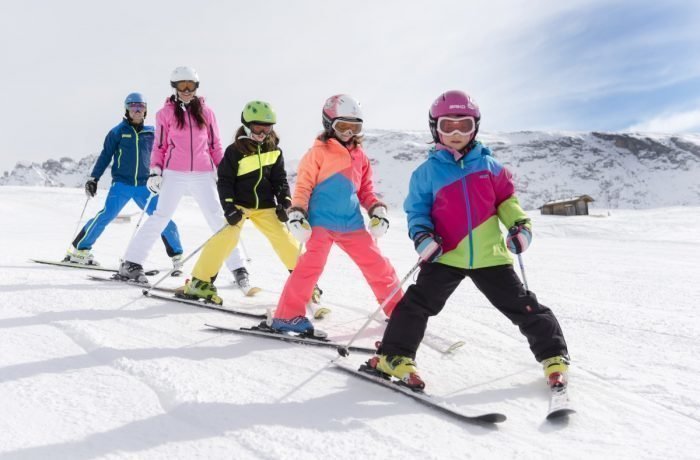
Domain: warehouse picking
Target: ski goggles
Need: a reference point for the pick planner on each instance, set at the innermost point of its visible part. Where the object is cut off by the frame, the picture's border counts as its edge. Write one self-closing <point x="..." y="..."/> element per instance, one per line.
<point x="186" y="86"/>
<point x="350" y="128"/>
<point x="456" y="125"/>
<point x="136" y="106"/>
<point x="260" y="129"/>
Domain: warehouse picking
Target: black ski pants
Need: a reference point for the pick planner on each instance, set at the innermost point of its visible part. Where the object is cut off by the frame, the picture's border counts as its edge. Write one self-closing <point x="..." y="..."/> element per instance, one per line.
<point x="501" y="286"/>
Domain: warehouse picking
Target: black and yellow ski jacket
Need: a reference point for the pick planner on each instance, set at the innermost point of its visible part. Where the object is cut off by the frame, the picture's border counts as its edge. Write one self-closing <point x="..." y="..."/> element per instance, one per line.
<point x="252" y="175"/>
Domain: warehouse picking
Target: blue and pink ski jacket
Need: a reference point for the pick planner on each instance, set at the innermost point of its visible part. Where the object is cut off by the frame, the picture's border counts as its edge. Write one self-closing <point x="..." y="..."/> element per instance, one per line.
<point x="462" y="201"/>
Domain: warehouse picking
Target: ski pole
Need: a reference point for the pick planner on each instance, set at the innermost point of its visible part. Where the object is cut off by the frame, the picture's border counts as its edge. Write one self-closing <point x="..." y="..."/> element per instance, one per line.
<point x="80" y="219"/>
<point x="344" y="350"/>
<point x="148" y="291"/>
<point x="138" y="223"/>
<point x="245" y="253"/>
<point x="522" y="270"/>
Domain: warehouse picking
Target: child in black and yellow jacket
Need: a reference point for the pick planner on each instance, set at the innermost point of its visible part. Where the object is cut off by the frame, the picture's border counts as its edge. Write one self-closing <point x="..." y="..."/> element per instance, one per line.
<point x="252" y="184"/>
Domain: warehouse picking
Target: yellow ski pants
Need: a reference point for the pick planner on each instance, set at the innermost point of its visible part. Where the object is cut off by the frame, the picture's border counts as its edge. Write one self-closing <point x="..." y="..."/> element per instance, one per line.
<point x="220" y="246"/>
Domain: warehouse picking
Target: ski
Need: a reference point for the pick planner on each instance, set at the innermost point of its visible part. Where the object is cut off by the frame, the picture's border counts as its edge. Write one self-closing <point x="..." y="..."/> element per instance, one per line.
<point x="140" y="285"/>
<point x="204" y="304"/>
<point x="318" y="340"/>
<point x="421" y="397"/>
<point x="559" y="403"/>
<point x="249" y="292"/>
<point x="317" y="311"/>
<point x="87" y="267"/>
<point x="431" y="341"/>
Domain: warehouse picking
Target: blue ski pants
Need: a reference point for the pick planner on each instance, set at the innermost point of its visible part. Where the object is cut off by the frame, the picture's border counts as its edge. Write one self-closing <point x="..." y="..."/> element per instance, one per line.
<point x="118" y="196"/>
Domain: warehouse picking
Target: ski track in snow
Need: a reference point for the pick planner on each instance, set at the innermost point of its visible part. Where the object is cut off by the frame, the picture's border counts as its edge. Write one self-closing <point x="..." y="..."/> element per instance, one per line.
<point x="95" y="370"/>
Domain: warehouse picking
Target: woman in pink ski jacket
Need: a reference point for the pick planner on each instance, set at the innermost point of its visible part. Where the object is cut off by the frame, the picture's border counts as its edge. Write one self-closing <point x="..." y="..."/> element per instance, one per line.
<point x="186" y="152"/>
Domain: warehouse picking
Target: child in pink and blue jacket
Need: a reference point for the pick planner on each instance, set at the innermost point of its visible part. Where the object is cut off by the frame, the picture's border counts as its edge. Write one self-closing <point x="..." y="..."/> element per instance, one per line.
<point x="455" y="201"/>
<point x="334" y="180"/>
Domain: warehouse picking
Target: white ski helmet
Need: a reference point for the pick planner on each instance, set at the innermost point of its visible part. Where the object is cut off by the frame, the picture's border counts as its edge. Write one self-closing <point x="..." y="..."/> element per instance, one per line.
<point x="184" y="73"/>
<point x="340" y="106"/>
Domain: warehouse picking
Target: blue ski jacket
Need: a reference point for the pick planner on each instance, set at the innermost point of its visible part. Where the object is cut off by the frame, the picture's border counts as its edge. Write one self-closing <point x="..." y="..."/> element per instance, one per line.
<point x="129" y="151"/>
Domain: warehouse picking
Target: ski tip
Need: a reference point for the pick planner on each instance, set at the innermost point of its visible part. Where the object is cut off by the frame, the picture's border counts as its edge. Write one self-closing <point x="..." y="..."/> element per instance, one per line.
<point x="252" y="291"/>
<point x="560" y="414"/>
<point x="321" y="313"/>
<point x="491" y="418"/>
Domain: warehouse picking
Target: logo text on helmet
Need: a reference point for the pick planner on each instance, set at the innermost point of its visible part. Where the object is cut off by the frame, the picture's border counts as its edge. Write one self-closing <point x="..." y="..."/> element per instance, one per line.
<point x="458" y="106"/>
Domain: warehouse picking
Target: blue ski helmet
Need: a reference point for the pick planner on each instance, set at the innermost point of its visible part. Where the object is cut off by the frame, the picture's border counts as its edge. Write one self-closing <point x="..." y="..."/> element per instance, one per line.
<point x="134" y="97"/>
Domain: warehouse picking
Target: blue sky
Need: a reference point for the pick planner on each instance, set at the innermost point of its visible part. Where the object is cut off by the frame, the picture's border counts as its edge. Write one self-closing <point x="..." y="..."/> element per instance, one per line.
<point x="532" y="65"/>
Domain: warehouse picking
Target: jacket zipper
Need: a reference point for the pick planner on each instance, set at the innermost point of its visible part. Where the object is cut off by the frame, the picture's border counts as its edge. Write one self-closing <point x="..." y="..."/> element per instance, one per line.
<point x="255" y="189"/>
<point x="191" y="143"/>
<point x="469" y="216"/>
<point x="136" y="169"/>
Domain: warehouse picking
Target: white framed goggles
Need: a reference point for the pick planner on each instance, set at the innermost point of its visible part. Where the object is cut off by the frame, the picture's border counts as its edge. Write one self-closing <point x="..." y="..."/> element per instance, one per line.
<point x="448" y="126"/>
<point x="347" y="127"/>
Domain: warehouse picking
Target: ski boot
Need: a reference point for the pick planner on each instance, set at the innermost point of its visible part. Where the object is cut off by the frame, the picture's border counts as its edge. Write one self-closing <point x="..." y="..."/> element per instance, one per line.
<point x="555" y="371"/>
<point x="298" y="325"/>
<point x="316" y="295"/>
<point x="132" y="272"/>
<point x="401" y="367"/>
<point x="80" y="257"/>
<point x="201" y="290"/>
<point x="316" y="310"/>
<point x="241" y="280"/>
<point x="177" y="265"/>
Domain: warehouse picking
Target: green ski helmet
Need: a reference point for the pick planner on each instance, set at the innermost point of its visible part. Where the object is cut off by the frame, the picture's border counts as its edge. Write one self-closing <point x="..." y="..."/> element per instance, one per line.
<point x="258" y="112"/>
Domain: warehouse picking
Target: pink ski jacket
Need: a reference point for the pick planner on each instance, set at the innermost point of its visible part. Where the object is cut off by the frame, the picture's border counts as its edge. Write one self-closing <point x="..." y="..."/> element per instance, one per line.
<point x="186" y="148"/>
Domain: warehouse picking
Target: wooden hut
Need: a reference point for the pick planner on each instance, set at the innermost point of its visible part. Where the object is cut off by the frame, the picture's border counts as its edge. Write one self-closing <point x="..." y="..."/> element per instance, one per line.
<point x="576" y="206"/>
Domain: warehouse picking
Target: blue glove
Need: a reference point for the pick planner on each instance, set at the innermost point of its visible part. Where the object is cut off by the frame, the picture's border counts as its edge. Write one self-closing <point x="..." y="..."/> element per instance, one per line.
<point x="428" y="246"/>
<point x="519" y="236"/>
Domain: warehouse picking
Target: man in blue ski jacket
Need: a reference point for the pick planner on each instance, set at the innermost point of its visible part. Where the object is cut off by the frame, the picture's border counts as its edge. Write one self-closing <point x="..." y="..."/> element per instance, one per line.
<point x="128" y="147"/>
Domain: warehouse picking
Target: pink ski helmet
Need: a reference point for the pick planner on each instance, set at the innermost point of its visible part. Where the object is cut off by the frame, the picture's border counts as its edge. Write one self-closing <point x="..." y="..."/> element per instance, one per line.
<point x="340" y="106"/>
<point x="453" y="103"/>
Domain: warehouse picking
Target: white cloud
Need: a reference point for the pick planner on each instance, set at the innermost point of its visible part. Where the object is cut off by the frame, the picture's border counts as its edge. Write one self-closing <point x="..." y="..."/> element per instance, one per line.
<point x="678" y="122"/>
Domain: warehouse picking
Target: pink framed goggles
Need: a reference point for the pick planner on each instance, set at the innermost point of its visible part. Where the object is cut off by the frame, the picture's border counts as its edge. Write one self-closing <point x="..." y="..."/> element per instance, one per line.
<point x="347" y="127"/>
<point x="459" y="125"/>
<point x="136" y="106"/>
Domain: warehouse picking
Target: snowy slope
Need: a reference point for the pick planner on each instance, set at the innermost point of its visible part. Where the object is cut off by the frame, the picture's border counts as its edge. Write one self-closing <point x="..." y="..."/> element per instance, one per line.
<point x="90" y="370"/>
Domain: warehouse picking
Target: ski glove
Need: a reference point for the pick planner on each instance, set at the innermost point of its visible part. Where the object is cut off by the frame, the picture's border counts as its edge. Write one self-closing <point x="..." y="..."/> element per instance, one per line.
<point x="519" y="236"/>
<point x="378" y="222"/>
<point x="281" y="209"/>
<point x="91" y="187"/>
<point x="232" y="213"/>
<point x="155" y="180"/>
<point x="299" y="225"/>
<point x="428" y="245"/>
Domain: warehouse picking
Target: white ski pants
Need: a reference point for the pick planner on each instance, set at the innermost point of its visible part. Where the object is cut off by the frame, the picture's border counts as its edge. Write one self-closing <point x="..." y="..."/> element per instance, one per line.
<point x="202" y="187"/>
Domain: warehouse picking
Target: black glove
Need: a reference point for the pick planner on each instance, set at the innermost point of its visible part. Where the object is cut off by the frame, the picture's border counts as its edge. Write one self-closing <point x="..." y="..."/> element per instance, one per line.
<point x="281" y="213"/>
<point x="232" y="214"/>
<point x="91" y="187"/>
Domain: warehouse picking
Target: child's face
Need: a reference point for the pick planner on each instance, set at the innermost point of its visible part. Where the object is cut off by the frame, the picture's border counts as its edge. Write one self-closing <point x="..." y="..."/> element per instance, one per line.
<point x="455" y="140"/>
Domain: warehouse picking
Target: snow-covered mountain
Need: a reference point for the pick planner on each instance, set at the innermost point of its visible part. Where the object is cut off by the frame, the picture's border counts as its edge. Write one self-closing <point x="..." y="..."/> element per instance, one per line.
<point x="65" y="172"/>
<point x="618" y="170"/>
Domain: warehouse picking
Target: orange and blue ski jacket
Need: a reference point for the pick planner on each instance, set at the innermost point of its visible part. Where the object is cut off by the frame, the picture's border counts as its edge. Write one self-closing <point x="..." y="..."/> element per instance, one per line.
<point x="332" y="183"/>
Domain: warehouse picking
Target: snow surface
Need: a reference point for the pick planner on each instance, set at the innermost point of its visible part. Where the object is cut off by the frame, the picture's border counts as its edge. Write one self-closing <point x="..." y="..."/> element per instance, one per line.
<point x="94" y="370"/>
